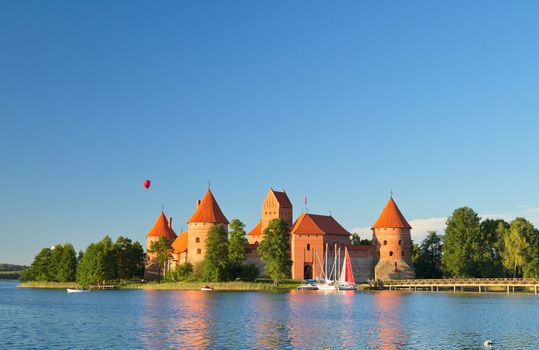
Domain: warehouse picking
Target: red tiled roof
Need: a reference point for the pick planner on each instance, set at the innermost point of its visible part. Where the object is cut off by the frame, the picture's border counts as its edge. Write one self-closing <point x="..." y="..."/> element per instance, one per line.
<point x="282" y="198"/>
<point x="318" y="224"/>
<point x="180" y="244"/>
<point x="161" y="228"/>
<point x="256" y="231"/>
<point x="208" y="211"/>
<point x="391" y="217"/>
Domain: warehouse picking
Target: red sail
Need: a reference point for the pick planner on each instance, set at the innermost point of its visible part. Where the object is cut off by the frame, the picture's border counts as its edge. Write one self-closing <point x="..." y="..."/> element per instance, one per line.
<point x="349" y="276"/>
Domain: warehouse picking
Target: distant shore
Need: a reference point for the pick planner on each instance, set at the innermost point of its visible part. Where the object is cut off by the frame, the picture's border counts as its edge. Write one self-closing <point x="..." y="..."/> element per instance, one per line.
<point x="49" y="285"/>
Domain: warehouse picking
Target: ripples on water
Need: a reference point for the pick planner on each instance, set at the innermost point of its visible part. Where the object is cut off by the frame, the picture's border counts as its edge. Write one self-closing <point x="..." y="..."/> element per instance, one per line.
<point x="38" y="319"/>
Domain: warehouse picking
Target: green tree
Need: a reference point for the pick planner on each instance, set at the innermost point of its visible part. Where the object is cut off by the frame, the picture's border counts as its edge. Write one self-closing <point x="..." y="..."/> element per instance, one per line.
<point x="274" y="250"/>
<point x="427" y="257"/>
<point x="40" y="268"/>
<point x="216" y="260"/>
<point x="462" y="244"/>
<point x="98" y="263"/>
<point x="492" y="238"/>
<point x="355" y="239"/>
<point x="163" y="253"/>
<point x="63" y="263"/>
<point x="237" y="247"/>
<point x="520" y="249"/>
<point x="129" y="258"/>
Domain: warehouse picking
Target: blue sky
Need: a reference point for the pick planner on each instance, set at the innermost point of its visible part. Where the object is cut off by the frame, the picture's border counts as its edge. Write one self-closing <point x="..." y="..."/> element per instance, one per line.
<point x="341" y="102"/>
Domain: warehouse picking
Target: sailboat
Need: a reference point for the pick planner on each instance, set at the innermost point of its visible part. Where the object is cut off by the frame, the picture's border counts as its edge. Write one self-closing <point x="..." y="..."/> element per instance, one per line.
<point x="326" y="283"/>
<point x="346" y="280"/>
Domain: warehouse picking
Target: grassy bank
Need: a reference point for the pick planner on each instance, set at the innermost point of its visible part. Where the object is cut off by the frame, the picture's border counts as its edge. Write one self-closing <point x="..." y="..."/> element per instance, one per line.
<point x="260" y="285"/>
<point x="49" y="285"/>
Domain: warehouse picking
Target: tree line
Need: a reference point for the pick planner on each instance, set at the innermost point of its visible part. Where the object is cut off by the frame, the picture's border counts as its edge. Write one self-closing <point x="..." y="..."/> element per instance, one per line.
<point x="226" y="254"/>
<point x="471" y="247"/>
<point x="102" y="261"/>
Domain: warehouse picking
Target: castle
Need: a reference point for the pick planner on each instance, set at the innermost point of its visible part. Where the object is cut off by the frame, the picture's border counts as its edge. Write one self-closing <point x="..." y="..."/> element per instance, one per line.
<point x="389" y="256"/>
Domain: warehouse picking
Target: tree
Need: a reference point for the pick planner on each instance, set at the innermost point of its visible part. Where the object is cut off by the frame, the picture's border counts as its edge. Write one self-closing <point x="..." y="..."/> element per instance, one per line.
<point x="39" y="269"/>
<point x="520" y="249"/>
<point x="129" y="258"/>
<point x="274" y="250"/>
<point x="216" y="260"/>
<point x="428" y="257"/>
<point x="492" y="232"/>
<point x="63" y="263"/>
<point x="355" y="239"/>
<point x="98" y="263"/>
<point x="237" y="247"/>
<point x="462" y="244"/>
<point x="163" y="252"/>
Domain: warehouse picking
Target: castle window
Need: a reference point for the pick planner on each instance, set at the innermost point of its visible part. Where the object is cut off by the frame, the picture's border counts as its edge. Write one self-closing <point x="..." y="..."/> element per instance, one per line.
<point x="402" y="253"/>
<point x="390" y="253"/>
<point x="400" y="242"/>
<point x="197" y="240"/>
<point x="199" y="251"/>
<point x="256" y="243"/>
<point x="385" y="242"/>
<point x="308" y="246"/>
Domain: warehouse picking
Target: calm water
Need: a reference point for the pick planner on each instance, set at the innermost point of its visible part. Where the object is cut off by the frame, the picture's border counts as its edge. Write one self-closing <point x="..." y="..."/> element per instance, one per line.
<point x="39" y="319"/>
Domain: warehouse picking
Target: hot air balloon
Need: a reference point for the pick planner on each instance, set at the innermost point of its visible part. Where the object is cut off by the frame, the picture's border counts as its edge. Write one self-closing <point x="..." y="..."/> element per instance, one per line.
<point x="147" y="184"/>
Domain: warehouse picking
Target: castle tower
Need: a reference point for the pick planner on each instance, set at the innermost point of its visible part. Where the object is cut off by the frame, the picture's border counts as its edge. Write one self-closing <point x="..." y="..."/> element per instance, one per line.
<point x="207" y="215"/>
<point x="392" y="245"/>
<point x="161" y="228"/>
<point x="276" y="205"/>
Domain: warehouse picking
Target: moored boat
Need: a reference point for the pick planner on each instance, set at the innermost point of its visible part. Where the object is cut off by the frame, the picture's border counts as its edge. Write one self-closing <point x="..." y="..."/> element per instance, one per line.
<point x="308" y="285"/>
<point x="206" y="288"/>
<point x="72" y="290"/>
<point x="346" y="279"/>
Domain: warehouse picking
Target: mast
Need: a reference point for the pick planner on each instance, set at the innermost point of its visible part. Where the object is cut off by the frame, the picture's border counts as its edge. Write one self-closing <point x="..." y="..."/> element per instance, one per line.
<point x="326" y="263"/>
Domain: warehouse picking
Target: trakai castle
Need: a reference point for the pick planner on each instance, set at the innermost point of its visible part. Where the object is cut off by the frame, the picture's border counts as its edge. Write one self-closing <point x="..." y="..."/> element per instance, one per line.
<point x="389" y="256"/>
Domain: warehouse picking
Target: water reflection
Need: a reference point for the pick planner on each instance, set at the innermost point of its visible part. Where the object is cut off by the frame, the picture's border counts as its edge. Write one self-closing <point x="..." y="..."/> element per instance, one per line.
<point x="176" y="318"/>
<point x="388" y="329"/>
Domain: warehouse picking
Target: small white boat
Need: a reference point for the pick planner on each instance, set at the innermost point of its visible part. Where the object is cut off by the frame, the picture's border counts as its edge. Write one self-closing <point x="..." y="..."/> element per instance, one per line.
<point x="308" y="285"/>
<point x="206" y="288"/>
<point x="71" y="290"/>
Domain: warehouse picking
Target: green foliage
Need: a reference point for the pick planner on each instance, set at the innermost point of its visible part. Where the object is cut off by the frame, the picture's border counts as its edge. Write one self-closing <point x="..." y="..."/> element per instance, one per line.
<point x="163" y="252"/>
<point x="249" y="272"/>
<point x="356" y="240"/>
<point x="98" y="263"/>
<point x="129" y="258"/>
<point x="12" y="267"/>
<point x="180" y="273"/>
<point x="466" y="254"/>
<point x="427" y="258"/>
<point x="216" y="260"/>
<point x="521" y="254"/>
<point x="40" y="268"/>
<point x="237" y="247"/>
<point x="274" y="250"/>
<point x="63" y="263"/>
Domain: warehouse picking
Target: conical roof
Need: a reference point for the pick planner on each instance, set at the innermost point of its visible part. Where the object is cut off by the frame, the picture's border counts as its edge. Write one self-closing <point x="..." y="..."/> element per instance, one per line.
<point x="180" y="244"/>
<point x="208" y="211"/>
<point x="391" y="217"/>
<point x="161" y="228"/>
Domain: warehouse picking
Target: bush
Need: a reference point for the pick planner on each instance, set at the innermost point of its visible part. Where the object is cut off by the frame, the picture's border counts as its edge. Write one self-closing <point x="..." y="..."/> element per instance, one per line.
<point x="180" y="273"/>
<point x="249" y="272"/>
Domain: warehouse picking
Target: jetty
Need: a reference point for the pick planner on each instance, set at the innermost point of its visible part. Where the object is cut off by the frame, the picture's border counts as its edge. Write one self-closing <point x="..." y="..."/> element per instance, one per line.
<point x="480" y="285"/>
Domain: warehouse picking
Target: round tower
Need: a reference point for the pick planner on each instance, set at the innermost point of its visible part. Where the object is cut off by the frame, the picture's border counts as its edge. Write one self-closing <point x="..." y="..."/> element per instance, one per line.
<point x="207" y="215"/>
<point x="161" y="228"/>
<point x="392" y="244"/>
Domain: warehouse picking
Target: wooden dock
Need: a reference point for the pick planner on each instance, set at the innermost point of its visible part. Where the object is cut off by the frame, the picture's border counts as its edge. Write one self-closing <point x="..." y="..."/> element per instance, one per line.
<point x="480" y="285"/>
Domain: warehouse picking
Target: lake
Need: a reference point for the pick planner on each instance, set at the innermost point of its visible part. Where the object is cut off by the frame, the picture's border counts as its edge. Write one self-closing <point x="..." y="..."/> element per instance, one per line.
<point x="138" y="319"/>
